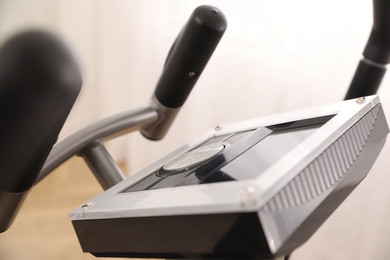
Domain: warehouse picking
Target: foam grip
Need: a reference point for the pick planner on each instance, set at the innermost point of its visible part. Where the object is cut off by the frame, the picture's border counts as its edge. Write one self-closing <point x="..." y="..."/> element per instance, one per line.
<point x="366" y="81"/>
<point x="378" y="45"/>
<point x="39" y="83"/>
<point x="189" y="55"/>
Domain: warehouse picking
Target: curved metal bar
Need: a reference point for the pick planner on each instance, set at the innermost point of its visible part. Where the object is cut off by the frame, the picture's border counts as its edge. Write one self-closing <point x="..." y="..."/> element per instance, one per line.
<point x="107" y="128"/>
<point x="102" y="165"/>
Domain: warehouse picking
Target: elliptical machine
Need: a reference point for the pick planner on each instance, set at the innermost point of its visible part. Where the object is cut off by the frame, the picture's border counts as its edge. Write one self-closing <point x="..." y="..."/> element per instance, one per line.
<point x="203" y="161"/>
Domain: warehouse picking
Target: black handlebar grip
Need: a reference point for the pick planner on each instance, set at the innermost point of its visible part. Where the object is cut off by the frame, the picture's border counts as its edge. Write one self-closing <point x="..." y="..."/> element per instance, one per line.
<point x="366" y="81"/>
<point x="39" y="83"/>
<point x="189" y="55"/>
<point x="378" y="45"/>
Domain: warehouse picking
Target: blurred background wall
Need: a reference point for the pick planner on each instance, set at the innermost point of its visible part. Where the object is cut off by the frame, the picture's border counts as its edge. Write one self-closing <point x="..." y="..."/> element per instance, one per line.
<point x="275" y="56"/>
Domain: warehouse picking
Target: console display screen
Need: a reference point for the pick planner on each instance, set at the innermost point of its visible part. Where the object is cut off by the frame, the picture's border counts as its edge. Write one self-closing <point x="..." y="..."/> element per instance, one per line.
<point x="262" y="155"/>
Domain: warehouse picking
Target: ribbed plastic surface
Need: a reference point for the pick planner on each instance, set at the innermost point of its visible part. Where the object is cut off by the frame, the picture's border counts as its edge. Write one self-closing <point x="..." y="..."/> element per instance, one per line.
<point x="329" y="168"/>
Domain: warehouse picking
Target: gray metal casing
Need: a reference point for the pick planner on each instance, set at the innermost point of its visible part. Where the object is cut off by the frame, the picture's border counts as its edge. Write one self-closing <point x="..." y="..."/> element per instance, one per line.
<point x="279" y="210"/>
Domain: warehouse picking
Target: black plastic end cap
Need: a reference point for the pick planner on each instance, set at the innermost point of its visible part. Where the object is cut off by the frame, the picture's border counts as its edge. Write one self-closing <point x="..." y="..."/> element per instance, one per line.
<point x="210" y="17"/>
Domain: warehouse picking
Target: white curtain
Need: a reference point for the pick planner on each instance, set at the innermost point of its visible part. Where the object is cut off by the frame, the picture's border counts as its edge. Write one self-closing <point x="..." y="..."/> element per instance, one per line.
<point x="275" y="56"/>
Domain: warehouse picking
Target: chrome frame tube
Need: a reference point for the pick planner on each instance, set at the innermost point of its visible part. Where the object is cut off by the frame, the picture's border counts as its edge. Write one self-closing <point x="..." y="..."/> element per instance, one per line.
<point x="166" y="115"/>
<point x="104" y="129"/>
<point x="102" y="165"/>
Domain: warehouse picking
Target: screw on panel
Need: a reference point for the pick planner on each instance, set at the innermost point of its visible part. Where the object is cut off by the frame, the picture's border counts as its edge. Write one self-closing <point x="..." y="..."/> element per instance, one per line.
<point x="191" y="74"/>
<point x="87" y="206"/>
<point x="246" y="194"/>
<point x="218" y="128"/>
<point x="361" y="100"/>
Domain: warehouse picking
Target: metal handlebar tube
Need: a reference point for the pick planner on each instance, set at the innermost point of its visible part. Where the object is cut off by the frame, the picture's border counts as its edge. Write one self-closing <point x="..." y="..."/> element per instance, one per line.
<point x="186" y="60"/>
<point x="372" y="67"/>
<point x="104" y="129"/>
<point x="166" y="115"/>
<point x="102" y="165"/>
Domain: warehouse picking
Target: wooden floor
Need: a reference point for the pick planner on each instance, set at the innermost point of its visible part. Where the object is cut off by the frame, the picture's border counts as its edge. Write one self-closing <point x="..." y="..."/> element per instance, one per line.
<point x="42" y="229"/>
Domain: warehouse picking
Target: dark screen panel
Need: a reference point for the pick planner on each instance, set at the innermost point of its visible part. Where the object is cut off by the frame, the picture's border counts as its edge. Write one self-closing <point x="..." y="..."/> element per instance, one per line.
<point x="262" y="155"/>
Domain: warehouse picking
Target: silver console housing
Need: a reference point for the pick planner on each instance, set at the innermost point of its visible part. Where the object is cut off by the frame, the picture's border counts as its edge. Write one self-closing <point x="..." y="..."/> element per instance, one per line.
<point x="281" y="207"/>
